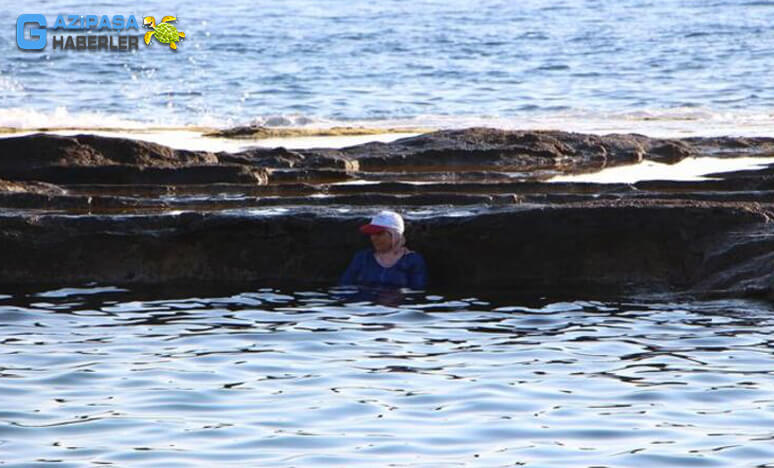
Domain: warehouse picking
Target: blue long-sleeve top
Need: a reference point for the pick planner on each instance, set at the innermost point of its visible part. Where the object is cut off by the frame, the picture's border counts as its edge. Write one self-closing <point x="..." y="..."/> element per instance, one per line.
<point x="408" y="272"/>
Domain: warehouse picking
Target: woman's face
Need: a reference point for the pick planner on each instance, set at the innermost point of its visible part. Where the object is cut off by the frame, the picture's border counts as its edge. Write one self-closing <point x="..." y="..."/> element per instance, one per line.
<point x="382" y="241"/>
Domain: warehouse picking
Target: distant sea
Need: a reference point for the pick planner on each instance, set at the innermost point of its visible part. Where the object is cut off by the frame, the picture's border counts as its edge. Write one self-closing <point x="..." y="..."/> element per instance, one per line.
<point x="684" y="66"/>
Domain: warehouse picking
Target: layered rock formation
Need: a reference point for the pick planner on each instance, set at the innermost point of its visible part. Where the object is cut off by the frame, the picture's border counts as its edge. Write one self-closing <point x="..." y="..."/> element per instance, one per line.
<point x="88" y="208"/>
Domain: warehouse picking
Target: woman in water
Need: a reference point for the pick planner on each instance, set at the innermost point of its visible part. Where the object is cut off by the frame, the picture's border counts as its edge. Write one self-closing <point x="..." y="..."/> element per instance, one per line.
<point x="389" y="264"/>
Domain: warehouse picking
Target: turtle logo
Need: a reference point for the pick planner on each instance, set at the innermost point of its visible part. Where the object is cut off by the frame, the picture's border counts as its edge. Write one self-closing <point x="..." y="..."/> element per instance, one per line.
<point x="164" y="32"/>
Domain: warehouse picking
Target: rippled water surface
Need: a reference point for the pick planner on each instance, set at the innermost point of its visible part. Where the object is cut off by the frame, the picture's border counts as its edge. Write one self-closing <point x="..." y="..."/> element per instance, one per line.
<point x="426" y="61"/>
<point x="101" y="375"/>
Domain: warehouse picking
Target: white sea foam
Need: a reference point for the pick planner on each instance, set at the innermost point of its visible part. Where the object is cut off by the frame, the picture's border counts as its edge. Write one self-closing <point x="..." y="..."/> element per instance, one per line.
<point x="60" y="117"/>
<point x="668" y="123"/>
<point x="10" y="84"/>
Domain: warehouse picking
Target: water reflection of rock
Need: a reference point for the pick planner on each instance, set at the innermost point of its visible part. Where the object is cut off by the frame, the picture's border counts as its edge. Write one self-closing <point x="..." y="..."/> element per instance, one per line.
<point x="474" y="198"/>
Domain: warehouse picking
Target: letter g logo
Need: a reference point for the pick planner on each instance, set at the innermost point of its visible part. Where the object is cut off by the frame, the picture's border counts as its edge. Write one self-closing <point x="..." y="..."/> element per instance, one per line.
<point x="37" y="39"/>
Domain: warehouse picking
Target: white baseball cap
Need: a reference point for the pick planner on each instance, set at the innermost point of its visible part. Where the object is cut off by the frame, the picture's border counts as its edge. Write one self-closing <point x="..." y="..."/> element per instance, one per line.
<point x="382" y="221"/>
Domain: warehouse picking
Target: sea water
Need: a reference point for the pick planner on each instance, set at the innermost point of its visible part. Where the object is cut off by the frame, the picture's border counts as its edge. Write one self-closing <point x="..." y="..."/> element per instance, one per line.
<point x="100" y="375"/>
<point x="671" y="67"/>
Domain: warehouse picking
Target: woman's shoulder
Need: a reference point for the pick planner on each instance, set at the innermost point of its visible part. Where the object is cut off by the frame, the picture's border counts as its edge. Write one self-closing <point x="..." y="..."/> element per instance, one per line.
<point x="364" y="253"/>
<point x="414" y="257"/>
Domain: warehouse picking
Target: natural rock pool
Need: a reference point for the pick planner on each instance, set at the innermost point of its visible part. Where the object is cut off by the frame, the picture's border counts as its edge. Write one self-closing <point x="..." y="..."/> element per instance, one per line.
<point x="101" y="375"/>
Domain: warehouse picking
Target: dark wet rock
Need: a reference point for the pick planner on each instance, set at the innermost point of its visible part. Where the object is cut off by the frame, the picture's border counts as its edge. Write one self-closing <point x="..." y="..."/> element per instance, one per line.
<point x="379" y="199"/>
<point x="9" y="186"/>
<point x="93" y="159"/>
<point x="136" y="175"/>
<point x="89" y="208"/>
<point x="263" y="131"/>
<point x="766" y="173"/>
<point x="477" y="148"/>
<point x="319" y="176"/>
<point x="456" y="175"/>
<point x="481" y="154"/>
<point x="281" y="158"/>
<point x="732" y="146"/>
<point x="21" y="200"/>
<point x="44" y="150"/>
<point x="242" y="131"/>
<point x="671" y="152"/>
<point x="264" y="157"/>
<point x="722" y="185"/>
<point x="78" y="203"/>
<point x="743" y="261"/>
<point x="643" y="248"/>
